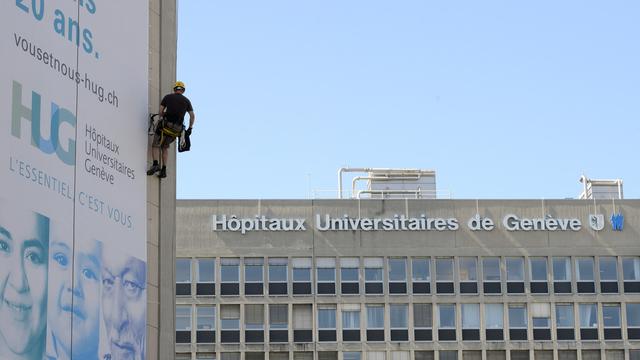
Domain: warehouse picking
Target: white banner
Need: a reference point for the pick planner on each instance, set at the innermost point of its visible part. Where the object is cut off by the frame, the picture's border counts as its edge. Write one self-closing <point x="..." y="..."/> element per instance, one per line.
<point x="73" y="110"/>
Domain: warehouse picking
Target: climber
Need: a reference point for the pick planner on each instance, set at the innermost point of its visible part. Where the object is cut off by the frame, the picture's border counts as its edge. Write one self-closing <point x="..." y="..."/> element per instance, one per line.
<point x="172" y="110"/>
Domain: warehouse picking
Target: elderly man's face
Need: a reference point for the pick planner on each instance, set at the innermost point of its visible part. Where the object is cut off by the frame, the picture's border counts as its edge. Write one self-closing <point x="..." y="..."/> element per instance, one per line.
<point x="124" y="304"/>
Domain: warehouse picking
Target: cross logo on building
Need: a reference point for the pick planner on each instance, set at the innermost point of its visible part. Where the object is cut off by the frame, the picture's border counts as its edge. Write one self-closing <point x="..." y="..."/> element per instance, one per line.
<point x="617" y="221"/>
<point x="596" y="221"/>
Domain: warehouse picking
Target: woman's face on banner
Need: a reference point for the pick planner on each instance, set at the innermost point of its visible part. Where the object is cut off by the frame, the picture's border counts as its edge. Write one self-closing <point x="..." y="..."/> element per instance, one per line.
<point x="77" y="300"/>
<point x="24" y="237"/>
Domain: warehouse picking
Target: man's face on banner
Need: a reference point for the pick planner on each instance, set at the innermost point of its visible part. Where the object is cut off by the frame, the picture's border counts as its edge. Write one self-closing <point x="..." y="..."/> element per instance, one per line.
<point x="124" y="305"/>
<point x="24" y="242"/>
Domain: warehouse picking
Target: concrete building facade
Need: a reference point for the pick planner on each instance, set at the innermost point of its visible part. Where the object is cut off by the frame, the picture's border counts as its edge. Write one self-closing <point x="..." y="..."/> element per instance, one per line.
<point x="161" y="195"/>
<point x="407" y="279"/>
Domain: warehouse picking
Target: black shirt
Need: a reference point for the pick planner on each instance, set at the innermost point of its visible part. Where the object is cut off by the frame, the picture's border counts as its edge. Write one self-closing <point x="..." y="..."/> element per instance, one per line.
<point x="176" y="105"/>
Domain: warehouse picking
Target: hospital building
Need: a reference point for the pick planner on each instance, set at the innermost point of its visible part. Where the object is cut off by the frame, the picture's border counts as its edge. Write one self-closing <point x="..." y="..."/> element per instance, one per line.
<point x="398" y="272"/>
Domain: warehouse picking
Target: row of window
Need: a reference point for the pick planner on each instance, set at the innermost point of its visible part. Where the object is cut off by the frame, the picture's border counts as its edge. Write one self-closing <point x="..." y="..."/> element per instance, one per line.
<point x="496" y="274"/>
<point x="586" y="354"/>
<point x="474" y="320"/>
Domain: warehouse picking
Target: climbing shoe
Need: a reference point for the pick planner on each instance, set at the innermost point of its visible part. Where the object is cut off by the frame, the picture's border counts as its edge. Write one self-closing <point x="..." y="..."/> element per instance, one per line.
<point x="154" y="169"/>
<point x="163" y="173"/>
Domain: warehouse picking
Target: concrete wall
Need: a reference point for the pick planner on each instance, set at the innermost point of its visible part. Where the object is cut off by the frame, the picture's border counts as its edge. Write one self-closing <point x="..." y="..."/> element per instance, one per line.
<point x="161" y="195"/>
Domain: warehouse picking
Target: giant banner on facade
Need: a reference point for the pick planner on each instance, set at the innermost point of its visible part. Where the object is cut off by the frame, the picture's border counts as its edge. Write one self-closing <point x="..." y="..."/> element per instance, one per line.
<point x="73" y="105"/>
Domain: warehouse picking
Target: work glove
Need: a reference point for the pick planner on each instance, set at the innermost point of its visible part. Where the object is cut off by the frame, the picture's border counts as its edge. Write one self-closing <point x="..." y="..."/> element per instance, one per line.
<point x="188" y="131"/>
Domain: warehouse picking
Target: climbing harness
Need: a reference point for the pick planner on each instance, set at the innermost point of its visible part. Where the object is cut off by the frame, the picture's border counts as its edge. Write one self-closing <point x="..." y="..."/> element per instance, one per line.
<point x="164" y="128"/>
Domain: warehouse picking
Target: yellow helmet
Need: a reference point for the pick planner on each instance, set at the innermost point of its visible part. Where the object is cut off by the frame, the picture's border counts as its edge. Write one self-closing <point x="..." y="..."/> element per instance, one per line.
<point x="179" y="85"/>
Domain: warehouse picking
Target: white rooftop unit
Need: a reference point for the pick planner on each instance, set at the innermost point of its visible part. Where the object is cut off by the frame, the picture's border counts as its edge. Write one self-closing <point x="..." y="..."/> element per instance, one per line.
<point x="392" y="183"/>
<point x="601" y="189"/>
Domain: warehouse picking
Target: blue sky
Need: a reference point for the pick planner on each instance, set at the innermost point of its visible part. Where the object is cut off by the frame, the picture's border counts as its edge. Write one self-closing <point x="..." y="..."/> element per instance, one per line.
<point x="504" y="99"/>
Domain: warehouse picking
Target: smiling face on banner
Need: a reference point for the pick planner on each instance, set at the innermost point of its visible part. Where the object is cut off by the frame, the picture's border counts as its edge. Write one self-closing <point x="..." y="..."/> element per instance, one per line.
<point x="74" y="300"/>
<point x="24" y="243"/>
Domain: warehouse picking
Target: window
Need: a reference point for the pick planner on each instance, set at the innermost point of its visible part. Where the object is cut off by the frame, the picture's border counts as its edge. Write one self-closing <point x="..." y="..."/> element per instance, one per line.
<point x="376" y="355"/>
<point x="278" y="355"/>
<point x="254" y="323"/>
<point x="206" y="324"/>
<point x="326" y="275"/>
<point x="538" y="275"/>
<point x="541" y="319"/>
<point x="375" y="322"/>
<point x="468" y="275"/>
<point x="373" y="275"/>
<point x="399" y="355"/>
<point x="351" y="355"/>
<point x="278" y="323"/>
<point x="494" y="320"/>
<point x="423" y="355"/>
<point x="517" y="322"/>
<point x="421" y="275"/>
<point x="253" y="276"/>
<point x="447" y="318"/>
<point x="183" y="277"/>
<point x="397" y="275"/>
<point x="398" y="314"/>
<point x="253" y="355"/>
<point x="230" y="323"/>
<point x="326" y="317"/>
<point x="444" y="276"/>
<point x="422" y="316"/>
<point x="206" y="277"/>
<point x="422" y="322"/>
<point x="205" y="356"/>
<point x="496" y="355"/>
<point x="611" y="321"/>
<point x="470" y="321"/>
<point x="230" y="356"/>
<point x="491" y="275"/>
<point x="633" y="321"/>
<point x="561" y="275"/>
<point x="608" y="274"/>
<point x="229" y="276"/>
<point x="278" y="276"/>
<point x="375" y="316"/>
<point x="183" y="317"/>
<point x="584" y="275"/>
<point x="515" y="275"/>
<point x="350" y="276"/>
<point x="206" y="270"/>
<point x="472" y="355"/>
<point x="301" y="276"/>
<point x="351" y="322"/>
<point x="303" y="355"/>
<point x="302" y="323"/>
<point x="631" y="274"/>
<point x="446" y="322"/>
<point x="206" y="317"/>
<point x="567" y="355"/>
<point x="565" y="321"/>
<point x="588" y="321"/>
<point x="183" y="324"/>
<point x="278" y="315"/>
<point x="254" y="316"/>
<point x="351" y="316"/>
<point x="327" y="355"/>
<point x="448" y="354"/>
<point x="326" y="322"/>
<point x="519" y="354"/>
